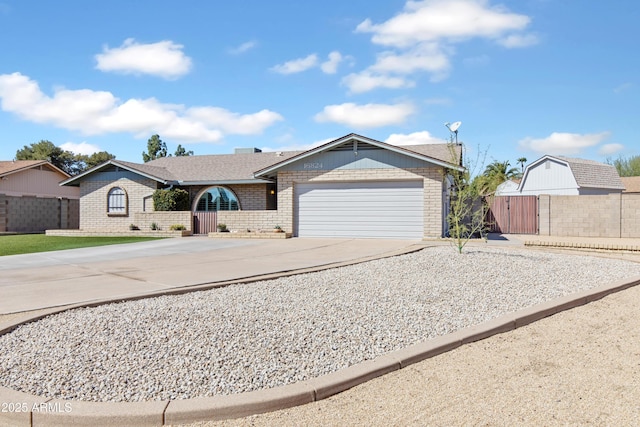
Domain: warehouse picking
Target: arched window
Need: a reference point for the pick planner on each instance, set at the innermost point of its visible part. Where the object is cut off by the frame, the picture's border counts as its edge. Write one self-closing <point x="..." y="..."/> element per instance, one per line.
<point x="217" y="199"/>
<point x="117" y="201"/>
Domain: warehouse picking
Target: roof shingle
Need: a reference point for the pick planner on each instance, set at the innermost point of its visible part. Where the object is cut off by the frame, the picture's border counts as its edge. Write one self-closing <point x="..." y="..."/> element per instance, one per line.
<point x="592" y="174"/>
<point x="8" y="167"/>
<point x="631" y="184"/>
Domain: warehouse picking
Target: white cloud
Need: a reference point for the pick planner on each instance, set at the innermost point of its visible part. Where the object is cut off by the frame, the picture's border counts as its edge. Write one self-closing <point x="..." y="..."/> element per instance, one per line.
<point x="425" y="57"/>
<point x="415" y="138"/>
<point x="435" y="20"/>
<point x="244" y="47"/>
<point x="609" y="149"/>
<point x="365" y="81"/>
<point x="518" y="40"/>
<point x="423" y="34"/>
<point x="365" y="116"/>
<point x="623" y="88"/>
<point x="229" y="122"/>
<point x="164" y="59"/>
<point x="296" y="65"/>
<point x="98" y="112"/>
<point x="80" y="148"/>
<point x="331" y="65"/>
<point x="561" y="143"/>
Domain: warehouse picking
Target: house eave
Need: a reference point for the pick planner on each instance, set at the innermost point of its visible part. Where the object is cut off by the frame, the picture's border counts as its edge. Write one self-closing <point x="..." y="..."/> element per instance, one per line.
<point x="42" y="163"/>
<point x="274" y="168"/>
<point x="225" y="182"/>
<point x="73" y="179"/>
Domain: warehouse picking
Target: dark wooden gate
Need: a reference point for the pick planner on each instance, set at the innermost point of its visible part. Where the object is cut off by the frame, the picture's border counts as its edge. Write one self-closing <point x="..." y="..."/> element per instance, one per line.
<point x="513" y="214"/>
<point x="204" y="222"/>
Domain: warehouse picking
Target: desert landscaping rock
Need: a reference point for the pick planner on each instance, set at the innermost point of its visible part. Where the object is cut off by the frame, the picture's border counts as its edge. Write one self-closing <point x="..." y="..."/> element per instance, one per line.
<point x="265" y="334"/>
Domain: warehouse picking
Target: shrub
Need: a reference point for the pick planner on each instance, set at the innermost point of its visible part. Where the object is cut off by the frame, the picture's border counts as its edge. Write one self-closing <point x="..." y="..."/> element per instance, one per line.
<point x="155" y="226"/>
<point x="222" y="227"/>
<point x="177" y="227"/>
<point x="133" y="227"/>
<point x="175" y="199"/>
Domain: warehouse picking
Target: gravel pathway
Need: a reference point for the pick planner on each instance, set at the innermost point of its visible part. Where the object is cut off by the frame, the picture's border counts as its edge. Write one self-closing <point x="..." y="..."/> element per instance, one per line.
<point x="271" y="333"/>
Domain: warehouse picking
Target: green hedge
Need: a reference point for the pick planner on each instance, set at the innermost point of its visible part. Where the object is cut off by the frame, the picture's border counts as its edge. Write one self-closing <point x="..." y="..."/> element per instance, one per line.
<point x="175" y="199"/>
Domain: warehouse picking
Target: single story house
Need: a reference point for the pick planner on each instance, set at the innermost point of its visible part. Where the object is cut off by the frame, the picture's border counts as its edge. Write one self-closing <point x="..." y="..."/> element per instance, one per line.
<point x="353" y="186"/>
<point x="564" y="176"/>
<point x="31" y="199"/>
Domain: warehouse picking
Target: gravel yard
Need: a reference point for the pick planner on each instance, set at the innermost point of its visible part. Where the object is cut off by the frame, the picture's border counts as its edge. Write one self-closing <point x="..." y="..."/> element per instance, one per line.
<point x="271" y="333"/>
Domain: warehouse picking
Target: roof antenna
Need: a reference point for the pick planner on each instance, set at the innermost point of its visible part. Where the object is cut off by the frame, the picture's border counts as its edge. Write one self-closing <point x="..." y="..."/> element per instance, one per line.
<point x="453" y="128"/>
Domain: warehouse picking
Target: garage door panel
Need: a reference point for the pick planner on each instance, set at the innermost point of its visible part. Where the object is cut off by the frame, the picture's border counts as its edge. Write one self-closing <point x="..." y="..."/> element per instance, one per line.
<point x="356" y="209"/>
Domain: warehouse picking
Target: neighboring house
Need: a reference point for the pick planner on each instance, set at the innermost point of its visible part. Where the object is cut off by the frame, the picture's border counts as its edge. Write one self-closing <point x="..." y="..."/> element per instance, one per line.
<point x="631" y="184"/>
<point x="350" y="187"/>
<point x="565" y="176"/>
<point x="31" y="199"/>
<point x="508" y="187"/>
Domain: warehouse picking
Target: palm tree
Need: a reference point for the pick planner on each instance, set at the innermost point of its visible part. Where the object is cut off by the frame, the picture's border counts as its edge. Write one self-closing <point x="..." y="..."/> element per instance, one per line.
<point x="495" y="174"/>
<point x="522" y="161"/>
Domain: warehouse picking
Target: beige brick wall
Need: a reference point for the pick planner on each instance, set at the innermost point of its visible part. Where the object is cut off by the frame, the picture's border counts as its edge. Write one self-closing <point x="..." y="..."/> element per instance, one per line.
<point x="253" y="197"/>
<point x="164" y="220"/>
<point x="93" y="203"/>
<point x="630" y="226"/>
<point x="252" y="220"/>
<point x="615" y="215"/>
<point x="432" y="181"/>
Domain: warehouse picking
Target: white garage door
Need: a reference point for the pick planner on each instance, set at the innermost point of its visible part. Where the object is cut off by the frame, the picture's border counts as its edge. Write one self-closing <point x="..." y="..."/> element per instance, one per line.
<point x="360" y="209"/>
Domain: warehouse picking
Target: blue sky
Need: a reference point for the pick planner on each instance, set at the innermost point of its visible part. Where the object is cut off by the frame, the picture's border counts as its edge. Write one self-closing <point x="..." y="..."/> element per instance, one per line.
<point x="526" y="78"/>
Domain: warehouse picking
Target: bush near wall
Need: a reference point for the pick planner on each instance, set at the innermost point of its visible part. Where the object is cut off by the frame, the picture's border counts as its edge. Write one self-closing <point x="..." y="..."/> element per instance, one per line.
<point x="174" y="199"/>
<point x="163" y="220"/>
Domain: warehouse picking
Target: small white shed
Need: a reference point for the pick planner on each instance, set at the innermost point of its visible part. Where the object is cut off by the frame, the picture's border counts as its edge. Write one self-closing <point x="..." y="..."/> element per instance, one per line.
<point x="565" y="176"/>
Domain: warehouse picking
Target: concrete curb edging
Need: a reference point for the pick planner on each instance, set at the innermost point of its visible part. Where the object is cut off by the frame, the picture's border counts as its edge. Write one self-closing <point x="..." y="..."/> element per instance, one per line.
<point x="581" y="245"/>
<point x="55" y="412"/>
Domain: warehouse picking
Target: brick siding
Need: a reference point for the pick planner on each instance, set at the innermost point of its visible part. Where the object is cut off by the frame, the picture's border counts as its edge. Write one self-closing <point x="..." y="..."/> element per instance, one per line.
<point x="93" y="203"/>
<point x="164" y="220"/>
<point x="250" y="220"/>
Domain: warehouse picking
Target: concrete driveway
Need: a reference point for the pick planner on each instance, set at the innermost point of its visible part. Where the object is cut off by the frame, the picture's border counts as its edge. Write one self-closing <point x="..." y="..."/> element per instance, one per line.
<point x="50" y="279"/>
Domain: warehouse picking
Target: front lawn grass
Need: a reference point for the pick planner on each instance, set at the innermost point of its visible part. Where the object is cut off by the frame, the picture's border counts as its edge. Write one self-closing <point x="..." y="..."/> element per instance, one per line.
<point x="30" y="243"/>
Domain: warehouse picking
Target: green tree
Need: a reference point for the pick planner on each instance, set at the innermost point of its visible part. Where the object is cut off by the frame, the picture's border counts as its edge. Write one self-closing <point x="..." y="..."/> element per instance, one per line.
<point x="156" y="149"/>
<point x="181" y="151"/>
<point x="626" y="166"/>
<point x="66" y="160"/>
<point x="495" y="174"/>
<point x="47" y="150"/>
<point x="466" y="217"/>
<point x="84" y="162"/>
<point x="521" y="161"/>
<point x="175" y="199"/>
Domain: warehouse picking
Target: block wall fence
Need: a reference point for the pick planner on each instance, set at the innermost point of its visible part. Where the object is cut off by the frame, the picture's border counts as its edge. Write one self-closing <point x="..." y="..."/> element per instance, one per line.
<point x="29" y="214"/>
<point x="614" y="215"/>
